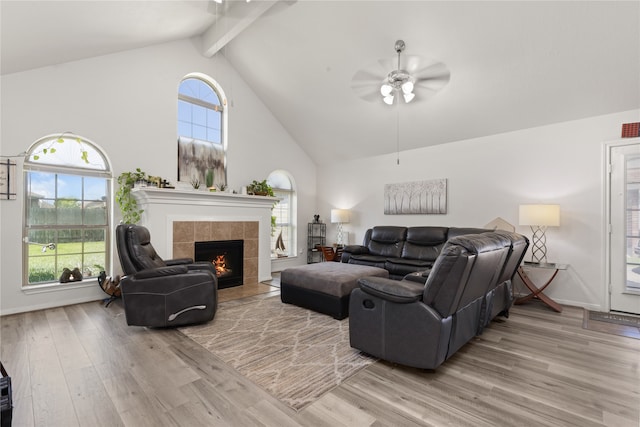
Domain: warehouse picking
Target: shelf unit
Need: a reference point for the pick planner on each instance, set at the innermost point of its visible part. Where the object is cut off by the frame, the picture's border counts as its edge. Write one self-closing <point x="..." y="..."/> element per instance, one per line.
<point x="316" y="235"/>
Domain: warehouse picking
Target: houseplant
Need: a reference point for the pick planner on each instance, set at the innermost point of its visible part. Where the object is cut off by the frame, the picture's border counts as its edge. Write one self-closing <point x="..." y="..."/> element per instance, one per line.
<point x="131" y="214"/>
<point x="260" y="188"/>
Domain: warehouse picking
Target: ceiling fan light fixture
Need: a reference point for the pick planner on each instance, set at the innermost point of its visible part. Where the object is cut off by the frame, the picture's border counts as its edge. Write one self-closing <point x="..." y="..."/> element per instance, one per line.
<point x="386" y="89"/>
<point x="408" y="97"/>
<point x="407" y="87"/>
<point x="398" y="80"/>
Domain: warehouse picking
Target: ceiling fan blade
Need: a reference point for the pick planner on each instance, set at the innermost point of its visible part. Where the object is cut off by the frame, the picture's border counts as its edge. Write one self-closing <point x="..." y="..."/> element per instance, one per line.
<point x="366" y="91"/>
<point x="367" y="77"/>
<point x="371" y="96"/>
<point x="436" y="70"/>
<point x="366" y="82"/>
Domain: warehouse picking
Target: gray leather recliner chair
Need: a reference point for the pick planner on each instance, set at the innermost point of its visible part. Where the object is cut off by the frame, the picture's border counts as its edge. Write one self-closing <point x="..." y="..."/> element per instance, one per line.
<point x="422" y="325"/>
<point x="161" y="293"/>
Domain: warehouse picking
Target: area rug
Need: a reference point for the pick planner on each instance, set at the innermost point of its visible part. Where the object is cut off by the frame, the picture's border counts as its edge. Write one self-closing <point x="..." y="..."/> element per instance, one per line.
<point x="295" y="354"/>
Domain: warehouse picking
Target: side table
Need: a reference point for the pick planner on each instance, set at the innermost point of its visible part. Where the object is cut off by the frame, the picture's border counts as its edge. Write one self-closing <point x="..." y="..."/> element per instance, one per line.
<point x="537" y="292"/>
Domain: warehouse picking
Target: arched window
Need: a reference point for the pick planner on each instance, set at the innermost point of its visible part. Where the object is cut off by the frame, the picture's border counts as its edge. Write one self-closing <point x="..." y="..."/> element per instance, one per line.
<point x="202" y="118"/>
<point x="283" y="239"/>
<point x="67" y="205"/>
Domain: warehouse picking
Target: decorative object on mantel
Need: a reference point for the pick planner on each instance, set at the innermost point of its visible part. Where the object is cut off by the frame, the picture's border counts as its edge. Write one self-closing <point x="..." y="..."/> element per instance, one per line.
<point x="131" y="214"/>
<point x="631" y="130"/>
<point x="417" y="197"/>
<point x="316" y="219"/>
<point x="158" y="181"/>
<point x="8" y="180"/>
<point x="209" y="175"/>
<point x="260" y="188"/>
<point x="195" y="183"/>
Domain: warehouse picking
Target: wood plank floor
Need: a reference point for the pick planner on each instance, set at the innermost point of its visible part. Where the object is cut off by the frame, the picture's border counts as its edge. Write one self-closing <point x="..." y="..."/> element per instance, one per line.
<point x="81" y="365"/>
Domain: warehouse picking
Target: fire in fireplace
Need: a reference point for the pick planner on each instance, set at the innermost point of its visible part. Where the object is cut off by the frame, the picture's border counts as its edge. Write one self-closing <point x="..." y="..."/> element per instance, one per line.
<point x="227" y="256"/>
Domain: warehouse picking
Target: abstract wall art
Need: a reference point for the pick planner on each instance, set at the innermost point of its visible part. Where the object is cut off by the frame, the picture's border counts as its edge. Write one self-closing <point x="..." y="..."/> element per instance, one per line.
<point x="418" y="197"/>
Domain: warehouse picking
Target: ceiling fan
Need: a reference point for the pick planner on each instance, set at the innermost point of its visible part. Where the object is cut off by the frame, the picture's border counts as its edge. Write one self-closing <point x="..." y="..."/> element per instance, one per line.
<point x="413" y="78"/>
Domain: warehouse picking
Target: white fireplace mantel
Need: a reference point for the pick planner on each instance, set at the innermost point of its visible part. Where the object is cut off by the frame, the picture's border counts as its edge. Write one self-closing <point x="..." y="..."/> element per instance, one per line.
<point x="164" y="206"/>
<point x="154" y="195"/>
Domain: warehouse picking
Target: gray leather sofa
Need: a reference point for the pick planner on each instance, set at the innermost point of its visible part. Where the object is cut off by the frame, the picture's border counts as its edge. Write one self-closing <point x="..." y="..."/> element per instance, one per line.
<point x="403" y="250"/>
<point x="422" y="325"/>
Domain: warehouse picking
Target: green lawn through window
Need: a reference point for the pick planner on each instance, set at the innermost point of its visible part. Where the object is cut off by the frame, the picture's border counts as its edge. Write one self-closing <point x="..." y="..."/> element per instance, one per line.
<point x="42" y="265"/>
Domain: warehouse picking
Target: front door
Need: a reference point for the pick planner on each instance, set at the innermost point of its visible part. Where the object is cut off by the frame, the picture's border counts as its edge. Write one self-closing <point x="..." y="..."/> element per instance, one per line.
<point x="624" y="217"/>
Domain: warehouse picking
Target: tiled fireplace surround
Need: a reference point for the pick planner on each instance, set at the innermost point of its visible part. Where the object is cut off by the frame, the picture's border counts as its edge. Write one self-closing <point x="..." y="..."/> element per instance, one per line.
<point x="186" y="233"/>
<point x="177" y="218"/>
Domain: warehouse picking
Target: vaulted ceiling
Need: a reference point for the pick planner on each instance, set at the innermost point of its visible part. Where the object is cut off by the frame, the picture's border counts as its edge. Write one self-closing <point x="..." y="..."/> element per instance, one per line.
<point x="513" y="64"/>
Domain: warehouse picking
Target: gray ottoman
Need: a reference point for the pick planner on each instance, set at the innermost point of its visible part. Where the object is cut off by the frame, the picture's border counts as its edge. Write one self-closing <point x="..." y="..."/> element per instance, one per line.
<point x="324" y="287"/>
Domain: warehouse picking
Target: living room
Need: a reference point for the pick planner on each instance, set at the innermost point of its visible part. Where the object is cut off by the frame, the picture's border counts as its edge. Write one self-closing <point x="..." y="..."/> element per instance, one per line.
<point x="496" y="156"/>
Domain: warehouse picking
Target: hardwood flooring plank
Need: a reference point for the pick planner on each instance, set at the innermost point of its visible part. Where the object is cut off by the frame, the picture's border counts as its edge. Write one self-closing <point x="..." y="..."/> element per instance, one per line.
<point x="15" y="359"/>
<point x="70" y="351"/>
<point x="22" y="415"/>
<point x="52" y="404"/>
<point x="266" y="413"/>
<point x="131" y="402"/>
<point x="92" y="404"/>
<point x="336" y="411"/>
<point x="79" y="319"/>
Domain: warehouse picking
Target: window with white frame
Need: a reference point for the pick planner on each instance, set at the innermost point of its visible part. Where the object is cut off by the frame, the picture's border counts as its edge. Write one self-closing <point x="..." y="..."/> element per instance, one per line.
<point x="67" y="182"/>
<point x="201" y="131"/>
<point x="283" y="236"/>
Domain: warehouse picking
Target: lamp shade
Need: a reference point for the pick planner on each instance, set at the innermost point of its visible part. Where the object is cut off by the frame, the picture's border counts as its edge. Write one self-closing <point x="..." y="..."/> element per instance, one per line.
<point x="340" y="216"/>
<point x="540" y="215"/>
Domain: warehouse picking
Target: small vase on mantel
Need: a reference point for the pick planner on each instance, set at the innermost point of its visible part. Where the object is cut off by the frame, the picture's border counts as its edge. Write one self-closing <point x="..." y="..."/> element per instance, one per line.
<point x="209" y="180"/>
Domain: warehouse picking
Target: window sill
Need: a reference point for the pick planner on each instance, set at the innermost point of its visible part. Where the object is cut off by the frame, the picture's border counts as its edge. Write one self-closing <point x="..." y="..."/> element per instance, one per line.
<point x="283" y="258"/>
<point x="56" y="286"/>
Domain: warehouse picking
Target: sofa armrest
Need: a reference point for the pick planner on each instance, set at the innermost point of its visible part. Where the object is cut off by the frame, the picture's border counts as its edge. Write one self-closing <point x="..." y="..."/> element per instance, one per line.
<point x="402" y="292"/>
<point x="160" y="272"/>
<point x="349" y="250"/>
<point x="202" y="265"/>
<point x="178" y="261"/>
<point x="355" y="249"/>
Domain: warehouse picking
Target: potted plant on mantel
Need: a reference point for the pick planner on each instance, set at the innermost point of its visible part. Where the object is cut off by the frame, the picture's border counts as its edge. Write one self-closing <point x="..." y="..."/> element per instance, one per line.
<point x="260" y="188"/>
<point x="131" y="214"/>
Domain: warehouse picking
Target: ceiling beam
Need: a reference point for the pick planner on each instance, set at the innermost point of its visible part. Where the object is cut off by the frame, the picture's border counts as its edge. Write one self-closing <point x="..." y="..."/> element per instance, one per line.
<point x="235" y="19"/>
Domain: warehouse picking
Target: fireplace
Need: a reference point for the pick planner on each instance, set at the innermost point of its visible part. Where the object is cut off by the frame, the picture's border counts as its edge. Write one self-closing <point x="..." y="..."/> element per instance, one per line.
<point x="227" y="256"/>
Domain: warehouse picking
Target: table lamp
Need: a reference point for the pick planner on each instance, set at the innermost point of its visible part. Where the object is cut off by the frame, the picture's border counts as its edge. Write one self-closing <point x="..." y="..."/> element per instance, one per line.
<point x="539" y="217"/>
<point x="339" y="216"/>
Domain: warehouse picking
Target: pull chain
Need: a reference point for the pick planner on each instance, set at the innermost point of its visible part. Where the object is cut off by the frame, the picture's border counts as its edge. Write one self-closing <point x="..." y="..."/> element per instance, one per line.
<point x="398" y="134"/>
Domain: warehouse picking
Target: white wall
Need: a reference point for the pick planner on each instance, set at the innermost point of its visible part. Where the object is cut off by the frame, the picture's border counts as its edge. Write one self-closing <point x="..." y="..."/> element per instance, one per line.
<point x="126" y="103"/>
<point x="489" y="177"/>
